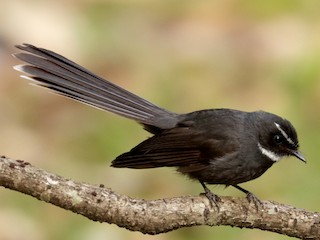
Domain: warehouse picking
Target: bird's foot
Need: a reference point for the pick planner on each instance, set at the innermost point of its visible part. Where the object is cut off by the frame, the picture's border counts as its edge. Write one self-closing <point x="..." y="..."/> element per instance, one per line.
<point x="250" y="197"/>
<point x="213" y="198"/>
<point x="253" y="199"/>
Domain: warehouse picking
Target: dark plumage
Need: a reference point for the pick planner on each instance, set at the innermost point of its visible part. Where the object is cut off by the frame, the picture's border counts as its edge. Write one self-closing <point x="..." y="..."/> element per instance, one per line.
<point x="216" y="146"/>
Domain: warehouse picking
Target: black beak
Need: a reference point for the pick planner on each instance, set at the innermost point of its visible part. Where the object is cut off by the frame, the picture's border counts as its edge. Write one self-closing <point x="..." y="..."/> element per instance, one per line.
<point x="297" y="154"/>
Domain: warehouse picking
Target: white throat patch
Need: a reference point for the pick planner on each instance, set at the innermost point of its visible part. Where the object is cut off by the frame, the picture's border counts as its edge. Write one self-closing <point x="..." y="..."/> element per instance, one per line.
<point x="284" y="134"/>
<point x="271" y="155"/>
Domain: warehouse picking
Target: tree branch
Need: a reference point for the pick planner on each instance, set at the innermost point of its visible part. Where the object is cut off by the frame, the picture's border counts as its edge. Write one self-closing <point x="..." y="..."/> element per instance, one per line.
<point x="157" y="216"/>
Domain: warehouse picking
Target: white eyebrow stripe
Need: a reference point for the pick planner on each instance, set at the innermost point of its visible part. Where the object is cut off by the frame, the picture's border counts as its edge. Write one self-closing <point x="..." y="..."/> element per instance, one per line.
<point x="284" y="134"/>
<point x="271" y="155"/>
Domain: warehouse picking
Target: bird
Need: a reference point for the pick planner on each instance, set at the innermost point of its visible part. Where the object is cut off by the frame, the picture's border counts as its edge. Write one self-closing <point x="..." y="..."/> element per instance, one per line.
<point x="213" y="146"/>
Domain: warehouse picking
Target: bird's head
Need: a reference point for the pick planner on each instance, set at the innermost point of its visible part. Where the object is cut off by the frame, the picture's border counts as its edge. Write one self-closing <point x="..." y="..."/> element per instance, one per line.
<point x="277" y="137"/>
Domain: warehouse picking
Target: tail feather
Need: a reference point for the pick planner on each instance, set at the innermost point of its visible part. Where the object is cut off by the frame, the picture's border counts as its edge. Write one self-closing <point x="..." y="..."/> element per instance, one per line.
<point x="50" y="70"/>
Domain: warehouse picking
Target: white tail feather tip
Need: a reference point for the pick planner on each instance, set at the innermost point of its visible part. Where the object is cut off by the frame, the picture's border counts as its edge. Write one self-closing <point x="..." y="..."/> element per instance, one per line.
<point x="19" y="68"/>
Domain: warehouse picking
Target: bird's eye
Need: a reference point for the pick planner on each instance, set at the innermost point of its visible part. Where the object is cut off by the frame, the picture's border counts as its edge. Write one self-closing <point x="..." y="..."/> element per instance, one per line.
<point x="278" y="139"/>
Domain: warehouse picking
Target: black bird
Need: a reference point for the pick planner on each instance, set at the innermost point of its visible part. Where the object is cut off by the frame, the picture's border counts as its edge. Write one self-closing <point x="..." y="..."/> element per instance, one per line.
<point x="215" y="146"/>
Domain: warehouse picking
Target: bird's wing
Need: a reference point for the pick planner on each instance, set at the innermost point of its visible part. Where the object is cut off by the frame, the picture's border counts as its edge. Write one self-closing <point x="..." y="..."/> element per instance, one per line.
<point x="177" y="147"/>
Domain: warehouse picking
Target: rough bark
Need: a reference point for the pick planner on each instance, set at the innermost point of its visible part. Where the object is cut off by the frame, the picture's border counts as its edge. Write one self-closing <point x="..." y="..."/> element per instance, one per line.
<point x="99" y="203"/>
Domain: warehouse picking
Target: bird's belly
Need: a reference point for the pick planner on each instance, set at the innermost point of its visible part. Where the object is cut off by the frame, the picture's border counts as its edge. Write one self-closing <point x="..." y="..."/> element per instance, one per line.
<point x="230" y="173"/>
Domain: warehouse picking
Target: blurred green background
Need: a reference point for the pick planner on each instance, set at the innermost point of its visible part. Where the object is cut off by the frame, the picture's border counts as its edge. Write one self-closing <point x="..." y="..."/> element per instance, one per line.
<point x="182" y="55"/>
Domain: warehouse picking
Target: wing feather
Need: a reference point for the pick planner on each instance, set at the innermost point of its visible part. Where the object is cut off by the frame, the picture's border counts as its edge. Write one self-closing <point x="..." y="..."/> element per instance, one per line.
<point x="175" y="147"/>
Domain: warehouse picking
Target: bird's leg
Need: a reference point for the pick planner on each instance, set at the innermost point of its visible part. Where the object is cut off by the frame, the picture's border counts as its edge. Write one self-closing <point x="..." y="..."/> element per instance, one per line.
<point x="250" y="196"/>
<point x="213" y="198"/>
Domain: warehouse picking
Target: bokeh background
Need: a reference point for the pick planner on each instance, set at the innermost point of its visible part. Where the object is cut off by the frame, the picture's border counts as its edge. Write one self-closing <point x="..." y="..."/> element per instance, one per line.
<point x="182" y="55"/>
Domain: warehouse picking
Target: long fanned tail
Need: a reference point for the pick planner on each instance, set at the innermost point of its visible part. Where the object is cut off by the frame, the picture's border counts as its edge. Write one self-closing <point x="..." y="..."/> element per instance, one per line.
<point x="53" y="71"/>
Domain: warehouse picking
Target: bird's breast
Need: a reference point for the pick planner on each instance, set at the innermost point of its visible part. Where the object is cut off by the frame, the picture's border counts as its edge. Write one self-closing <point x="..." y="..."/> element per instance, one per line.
<point x="230" y="170"/>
